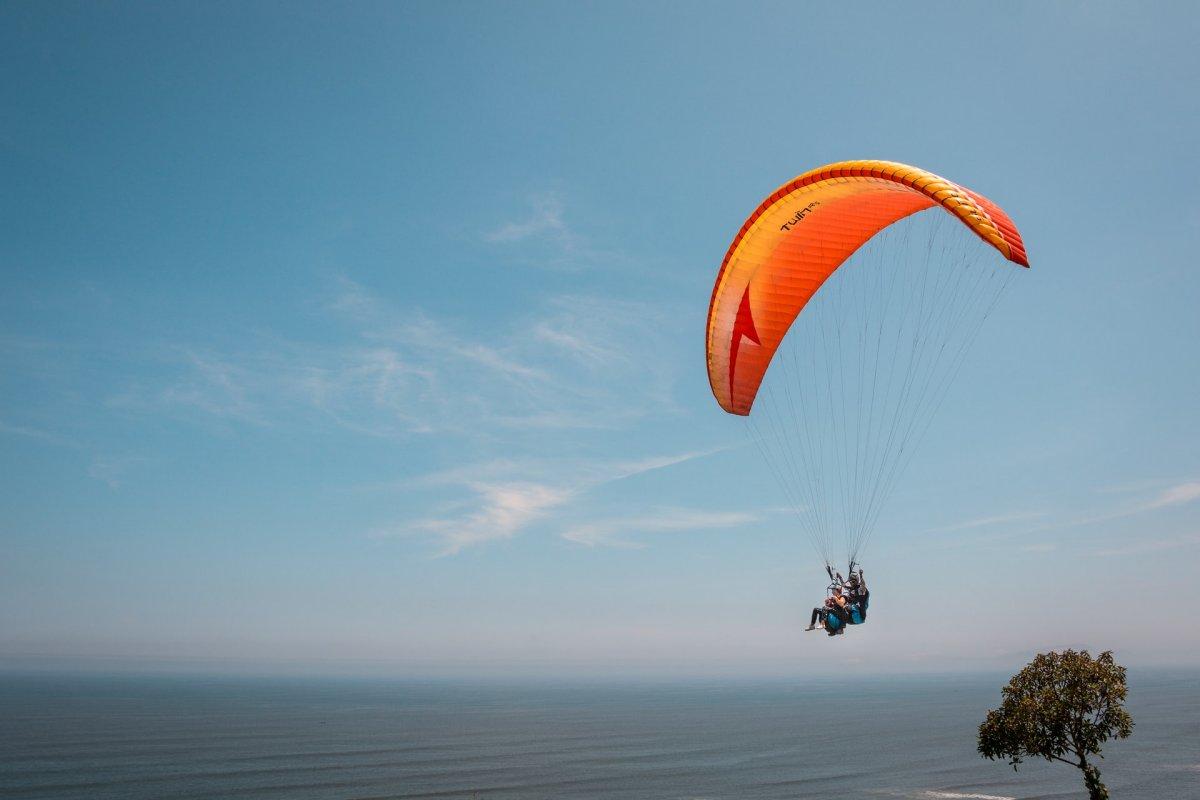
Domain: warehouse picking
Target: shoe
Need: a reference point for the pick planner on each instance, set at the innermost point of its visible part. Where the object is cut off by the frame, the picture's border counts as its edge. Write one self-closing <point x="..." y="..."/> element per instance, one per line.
<point x="811" y="628"/>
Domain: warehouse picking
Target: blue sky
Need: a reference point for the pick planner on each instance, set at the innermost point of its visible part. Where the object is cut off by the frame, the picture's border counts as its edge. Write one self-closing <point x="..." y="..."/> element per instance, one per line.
<point x="370" y="336"/>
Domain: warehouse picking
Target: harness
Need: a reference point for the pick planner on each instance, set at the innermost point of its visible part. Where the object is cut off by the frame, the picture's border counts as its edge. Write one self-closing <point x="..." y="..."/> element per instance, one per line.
<point x="855" y="610"/>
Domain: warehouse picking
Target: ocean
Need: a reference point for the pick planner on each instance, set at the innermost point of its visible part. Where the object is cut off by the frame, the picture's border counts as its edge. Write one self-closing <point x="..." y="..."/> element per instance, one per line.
<point x="186" y="737"/>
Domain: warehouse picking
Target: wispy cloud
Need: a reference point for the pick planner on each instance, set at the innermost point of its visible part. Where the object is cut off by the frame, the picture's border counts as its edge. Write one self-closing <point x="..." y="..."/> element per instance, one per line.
<point x="576" y="472"/>
<point x="215" y="387"/>
<point x="1174" y="496"/>
<point x="1151" y="546"/>
<point x="1152" y="498"/>
<point x="367" y="389"/>
<point x="620" y="531"/>
<point x="581" y="363"/>
<point x="989" y="521"/>
<point x="501" y="511"/>
<point x="499" y="504"/>
<point x="570" y="365"/>
<point x="543" y="237"/>
<point x="112" y="470"/>
<point x="627" y="469"/>
<point x="38" y="434"/>
<point x="545" y="220"/>
<point x="1177" y="495"/>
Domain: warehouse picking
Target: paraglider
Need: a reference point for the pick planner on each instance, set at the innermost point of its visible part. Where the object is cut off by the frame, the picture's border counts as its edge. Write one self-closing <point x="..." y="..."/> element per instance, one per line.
<point x="881" y="302"/>
<point x="846" y="603"/>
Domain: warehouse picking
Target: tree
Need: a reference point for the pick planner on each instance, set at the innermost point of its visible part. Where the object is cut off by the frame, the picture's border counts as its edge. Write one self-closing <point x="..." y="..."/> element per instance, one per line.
<point x="1060" y="707"/>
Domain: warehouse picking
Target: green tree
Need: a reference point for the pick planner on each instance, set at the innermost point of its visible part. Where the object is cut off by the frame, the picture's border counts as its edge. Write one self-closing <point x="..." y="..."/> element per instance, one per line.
<point x="1060" y="707"/>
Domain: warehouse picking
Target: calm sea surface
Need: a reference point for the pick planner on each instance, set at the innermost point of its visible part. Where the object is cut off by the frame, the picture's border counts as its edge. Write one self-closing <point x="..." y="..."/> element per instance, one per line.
<point x="161" y="737"/>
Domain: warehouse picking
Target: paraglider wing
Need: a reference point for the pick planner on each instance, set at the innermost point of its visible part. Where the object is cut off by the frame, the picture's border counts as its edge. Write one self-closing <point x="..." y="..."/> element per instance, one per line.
<point x="798" y="237"/>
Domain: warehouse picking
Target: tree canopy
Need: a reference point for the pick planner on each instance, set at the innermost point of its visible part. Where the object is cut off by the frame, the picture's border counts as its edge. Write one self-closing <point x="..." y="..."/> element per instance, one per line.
<point x="1060" y="707"/>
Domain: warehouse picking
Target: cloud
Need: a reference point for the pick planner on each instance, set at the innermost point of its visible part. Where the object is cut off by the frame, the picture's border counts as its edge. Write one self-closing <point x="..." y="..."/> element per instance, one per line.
<point x="987" y="522"/>
<point x="627" y="469"/>
<point x="1151" y="546"/>
<point x="577" y="472"/>
<point x="503" y="510"/>
<point x="545" y="220"/>
<point x="1177" y="495"/>
<point x="111" y="470"/>
<point x="578" y="362"/>
<point x="569" y="363"/>
<point x="615" y="532"/>
<point x="368" y="389"/>
<point x="586" y="350"/>
<point x="27" y="432"/>
<point x="543" y="238"/>
<point x="1174" y="496"/>
<point x="1042" y="521"/>
<point x="506" y="496"/>
<point x="214" y="387"/>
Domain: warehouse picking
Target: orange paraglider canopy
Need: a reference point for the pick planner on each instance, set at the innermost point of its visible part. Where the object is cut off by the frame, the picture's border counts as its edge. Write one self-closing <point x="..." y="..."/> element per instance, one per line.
<point x="796" y="239"/>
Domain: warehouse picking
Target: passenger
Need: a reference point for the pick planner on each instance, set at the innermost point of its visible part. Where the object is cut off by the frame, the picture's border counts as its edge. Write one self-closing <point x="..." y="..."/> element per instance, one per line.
<point x="832" y="616"/>
<point x="837" y="617"/>
<point x="818" y="615"/>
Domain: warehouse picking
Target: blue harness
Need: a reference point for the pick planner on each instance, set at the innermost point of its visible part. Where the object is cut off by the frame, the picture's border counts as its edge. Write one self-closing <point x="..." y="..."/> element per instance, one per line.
<point x="858" y="610"/>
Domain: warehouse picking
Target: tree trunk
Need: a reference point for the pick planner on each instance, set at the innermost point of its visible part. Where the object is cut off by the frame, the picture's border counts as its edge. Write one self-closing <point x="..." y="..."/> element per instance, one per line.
<point x="1091" y="779"/>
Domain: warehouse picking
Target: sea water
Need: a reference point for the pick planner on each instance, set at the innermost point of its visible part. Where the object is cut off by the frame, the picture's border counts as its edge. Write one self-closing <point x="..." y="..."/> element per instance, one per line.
<point x="175" y="737"/>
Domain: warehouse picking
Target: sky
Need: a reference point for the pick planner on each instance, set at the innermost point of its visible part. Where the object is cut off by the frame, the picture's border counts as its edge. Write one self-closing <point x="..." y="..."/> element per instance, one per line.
<point x="369" y="337"/>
